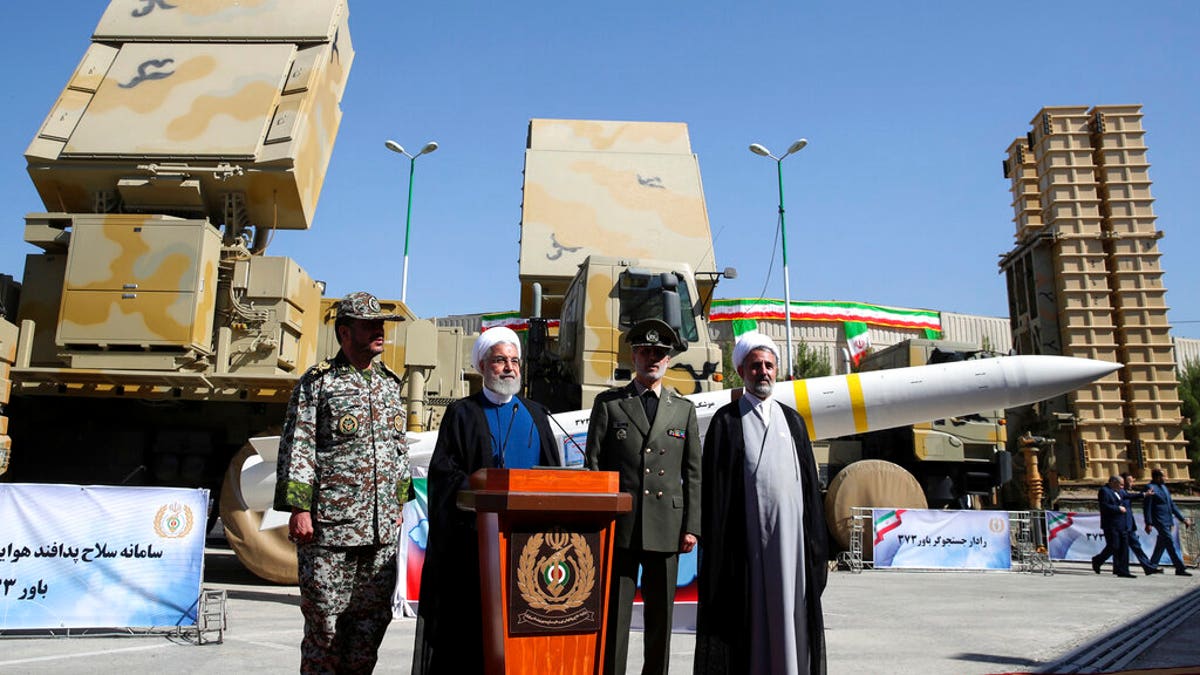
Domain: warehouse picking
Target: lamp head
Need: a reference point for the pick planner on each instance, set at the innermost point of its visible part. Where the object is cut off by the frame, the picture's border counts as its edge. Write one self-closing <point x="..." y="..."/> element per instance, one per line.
<point x="758" y="149"/>
<point x="796" y="147"/>
<point x="429" y="147"/>
<point x="395" y="147"/>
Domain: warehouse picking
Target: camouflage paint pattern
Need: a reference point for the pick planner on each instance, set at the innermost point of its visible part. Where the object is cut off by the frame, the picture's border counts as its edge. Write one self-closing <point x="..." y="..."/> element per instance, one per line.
<point x="207" y="20"/>
<point x="330" y="577"/>
<point x="255" y="114"/>
<point x="140" y="280"/>
<point x="598" y="349"/>
<point x="627" y="189"/>
<point x="342" y="454"/>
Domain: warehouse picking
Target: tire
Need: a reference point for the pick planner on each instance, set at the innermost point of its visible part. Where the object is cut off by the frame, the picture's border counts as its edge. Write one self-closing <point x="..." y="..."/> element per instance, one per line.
<point x="267" y="554"/>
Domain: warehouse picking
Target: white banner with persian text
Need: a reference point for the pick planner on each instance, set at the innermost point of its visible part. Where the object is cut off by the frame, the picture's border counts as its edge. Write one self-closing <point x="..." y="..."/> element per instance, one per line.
<point x="930" y="539"/>
<point x="82" y="557"/>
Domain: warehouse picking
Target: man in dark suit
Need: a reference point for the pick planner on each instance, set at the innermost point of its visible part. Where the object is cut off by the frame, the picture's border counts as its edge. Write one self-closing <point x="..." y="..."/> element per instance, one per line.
<point x="649" y="435"/>
<point x="1116" y="536"/>
<point x="1128" y="494"/>
<point x="1160" y="513"/>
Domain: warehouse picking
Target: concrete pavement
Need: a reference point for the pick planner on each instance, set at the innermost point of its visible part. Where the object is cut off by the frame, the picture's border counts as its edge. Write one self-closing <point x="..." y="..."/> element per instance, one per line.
<point x="878" y="621"/>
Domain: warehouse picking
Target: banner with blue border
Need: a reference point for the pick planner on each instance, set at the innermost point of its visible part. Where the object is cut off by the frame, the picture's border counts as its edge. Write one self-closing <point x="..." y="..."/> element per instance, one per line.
<point x="83" y="557"/>
<point x="929" y="539"/>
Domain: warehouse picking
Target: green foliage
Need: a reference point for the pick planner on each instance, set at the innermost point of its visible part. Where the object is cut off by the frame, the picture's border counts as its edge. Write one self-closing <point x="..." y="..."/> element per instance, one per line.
<point x="1189" y="397"/>
<point x="810" y="362"/>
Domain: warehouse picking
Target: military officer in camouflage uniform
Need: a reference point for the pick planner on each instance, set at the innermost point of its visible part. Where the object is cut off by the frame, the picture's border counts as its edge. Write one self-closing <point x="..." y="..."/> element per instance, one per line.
<point x="343" y="474"/>
<point x="649" y="435"/>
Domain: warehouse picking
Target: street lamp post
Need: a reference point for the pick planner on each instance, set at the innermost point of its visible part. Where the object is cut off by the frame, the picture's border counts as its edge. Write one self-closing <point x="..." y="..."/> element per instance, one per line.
<point x="412" y="163"/>
<point x="759" y="149"/>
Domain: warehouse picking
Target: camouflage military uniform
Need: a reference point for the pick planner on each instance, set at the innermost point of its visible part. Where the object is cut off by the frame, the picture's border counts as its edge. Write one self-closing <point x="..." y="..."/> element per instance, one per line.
<point x="342" y="457"/>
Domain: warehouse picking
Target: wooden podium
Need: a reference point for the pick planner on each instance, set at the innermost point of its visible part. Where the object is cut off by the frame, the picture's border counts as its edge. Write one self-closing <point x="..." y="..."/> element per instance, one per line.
<point x="545" y="554"/>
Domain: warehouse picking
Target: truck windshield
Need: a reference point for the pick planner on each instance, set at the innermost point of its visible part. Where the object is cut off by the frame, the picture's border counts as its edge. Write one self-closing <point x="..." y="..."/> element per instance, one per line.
<point x="642" y="296"/>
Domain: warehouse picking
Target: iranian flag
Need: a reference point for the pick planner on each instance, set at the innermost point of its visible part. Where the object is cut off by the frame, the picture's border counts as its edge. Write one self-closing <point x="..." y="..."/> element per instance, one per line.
<point x="857" y="339"/>
<point x="887" y="522"/>
<point x="512" y="320"/>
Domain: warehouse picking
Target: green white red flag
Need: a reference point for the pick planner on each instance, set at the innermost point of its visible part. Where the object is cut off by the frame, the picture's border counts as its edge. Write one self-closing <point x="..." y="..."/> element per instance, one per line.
<point x="512" y="320"/>
<point x="740" y="309"/>
<point x="857" y="339"/>
<point x="886" y="523"/>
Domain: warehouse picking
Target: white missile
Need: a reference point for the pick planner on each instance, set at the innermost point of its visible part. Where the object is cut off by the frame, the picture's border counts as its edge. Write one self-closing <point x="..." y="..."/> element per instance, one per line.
<point x="841" y="405"/>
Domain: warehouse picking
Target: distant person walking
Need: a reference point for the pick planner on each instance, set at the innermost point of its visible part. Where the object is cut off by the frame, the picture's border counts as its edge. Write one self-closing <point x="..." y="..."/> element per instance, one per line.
<point x="1127" y="494"/>
<point x="343" y="474"/>
<point x="1116" y="535"/>
<point x="1160" y="511"/>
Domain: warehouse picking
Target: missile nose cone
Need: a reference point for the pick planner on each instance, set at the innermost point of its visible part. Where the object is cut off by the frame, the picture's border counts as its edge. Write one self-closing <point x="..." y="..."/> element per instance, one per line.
<point x="1043" y="377"/>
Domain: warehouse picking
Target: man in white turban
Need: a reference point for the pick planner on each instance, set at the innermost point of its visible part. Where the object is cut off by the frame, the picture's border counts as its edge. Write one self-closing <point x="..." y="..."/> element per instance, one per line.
<point x="764" y="558"/>
<point x="493" y="428"/>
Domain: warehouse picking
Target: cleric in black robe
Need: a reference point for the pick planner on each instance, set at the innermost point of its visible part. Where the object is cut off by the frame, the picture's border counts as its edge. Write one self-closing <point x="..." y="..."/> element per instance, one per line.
<point x="723" y="640"/>
<point x="490" y="429"/>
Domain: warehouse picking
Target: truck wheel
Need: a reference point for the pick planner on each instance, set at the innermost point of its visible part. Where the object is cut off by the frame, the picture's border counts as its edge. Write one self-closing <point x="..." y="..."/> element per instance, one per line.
<point x="268" y="553"/>
<point x="870" y="483"/>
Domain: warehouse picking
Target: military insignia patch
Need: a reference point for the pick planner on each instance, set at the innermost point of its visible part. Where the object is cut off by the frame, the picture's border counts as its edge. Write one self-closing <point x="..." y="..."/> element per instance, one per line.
<point x="348" y="424"/>
<point x="676" y="433"/>
<point x="621" y="434"/>
<point x="398" y="422"/>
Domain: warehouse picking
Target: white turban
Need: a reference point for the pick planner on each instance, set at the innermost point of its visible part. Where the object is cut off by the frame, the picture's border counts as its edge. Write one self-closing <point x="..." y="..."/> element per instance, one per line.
<point x="748" y="342"/>
<point x="490" y="338"/>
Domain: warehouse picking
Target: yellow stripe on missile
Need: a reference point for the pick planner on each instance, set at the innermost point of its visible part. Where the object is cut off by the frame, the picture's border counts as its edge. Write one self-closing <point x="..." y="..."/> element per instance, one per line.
<point x="854" y="387"/>
<point x="800" y="389"/>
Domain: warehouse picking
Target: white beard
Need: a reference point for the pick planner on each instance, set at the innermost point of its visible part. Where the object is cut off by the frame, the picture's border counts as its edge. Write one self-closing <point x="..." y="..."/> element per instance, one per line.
<point x="502" y="386"/>
<point x="761" y="389"/>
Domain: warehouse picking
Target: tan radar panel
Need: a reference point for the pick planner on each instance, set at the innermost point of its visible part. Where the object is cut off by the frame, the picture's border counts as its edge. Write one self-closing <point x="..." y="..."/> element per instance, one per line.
<point x="265" y="20"/>
<point x="204" y="109"/>
<point x="621" y="189"/>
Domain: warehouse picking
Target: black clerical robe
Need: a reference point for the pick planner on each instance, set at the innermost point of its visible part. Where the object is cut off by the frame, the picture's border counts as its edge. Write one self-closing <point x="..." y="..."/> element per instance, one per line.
<point x="723" y="614"/>
<point x="449" y="621"/>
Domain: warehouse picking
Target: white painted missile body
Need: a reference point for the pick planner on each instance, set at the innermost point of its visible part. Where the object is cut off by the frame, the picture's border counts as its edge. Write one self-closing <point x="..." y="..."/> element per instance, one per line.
<point x="832" y="406"/>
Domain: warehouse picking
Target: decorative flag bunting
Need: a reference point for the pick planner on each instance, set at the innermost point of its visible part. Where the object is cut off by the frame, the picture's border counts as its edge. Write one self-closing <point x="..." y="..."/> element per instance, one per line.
<point x="511" y="320"/>
<point x="857" y="339"/>
<point x="886" y="523"/>
<point x="872" y="315"/>
<point x="741" y="326"/>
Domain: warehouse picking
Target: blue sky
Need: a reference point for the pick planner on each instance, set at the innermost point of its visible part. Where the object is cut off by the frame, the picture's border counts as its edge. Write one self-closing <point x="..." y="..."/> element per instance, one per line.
<point x="898" y="199"/>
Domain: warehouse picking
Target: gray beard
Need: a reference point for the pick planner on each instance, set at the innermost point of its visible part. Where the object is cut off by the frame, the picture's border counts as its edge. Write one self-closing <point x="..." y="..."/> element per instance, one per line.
<point x="761" y="389"/>
<point x="502" y="386"/>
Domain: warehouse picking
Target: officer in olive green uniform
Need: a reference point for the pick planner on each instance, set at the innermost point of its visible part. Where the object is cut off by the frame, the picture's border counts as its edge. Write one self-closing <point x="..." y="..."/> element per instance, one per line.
<point x="343" y="474"/>
<point x="649" y="435"/>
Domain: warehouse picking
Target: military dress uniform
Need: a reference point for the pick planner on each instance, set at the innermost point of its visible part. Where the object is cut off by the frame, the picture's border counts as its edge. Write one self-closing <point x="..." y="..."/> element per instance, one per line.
<point x="659" y="464"/>
<point x="342" y="457"/>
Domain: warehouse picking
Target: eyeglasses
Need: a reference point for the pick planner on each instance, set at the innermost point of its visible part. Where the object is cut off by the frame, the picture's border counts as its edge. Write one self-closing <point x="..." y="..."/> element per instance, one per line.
<point x="500" y="361"/>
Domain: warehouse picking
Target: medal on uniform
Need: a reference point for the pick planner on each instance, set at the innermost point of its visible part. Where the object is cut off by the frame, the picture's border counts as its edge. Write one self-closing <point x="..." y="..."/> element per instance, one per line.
<point x="621" y="434"/>
<point x="348" y="424"/>
<point x="398" y="422"/>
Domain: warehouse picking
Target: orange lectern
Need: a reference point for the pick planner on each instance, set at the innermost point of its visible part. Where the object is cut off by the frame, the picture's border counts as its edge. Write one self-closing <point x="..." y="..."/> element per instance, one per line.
<point x="545" y="553"/>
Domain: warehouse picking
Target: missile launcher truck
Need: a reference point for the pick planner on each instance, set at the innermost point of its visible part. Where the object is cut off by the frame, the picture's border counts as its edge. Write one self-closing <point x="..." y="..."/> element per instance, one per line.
<point x="614" y="230"/>
<point x="155" y="334"/>
<point x="952" y="462"/>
